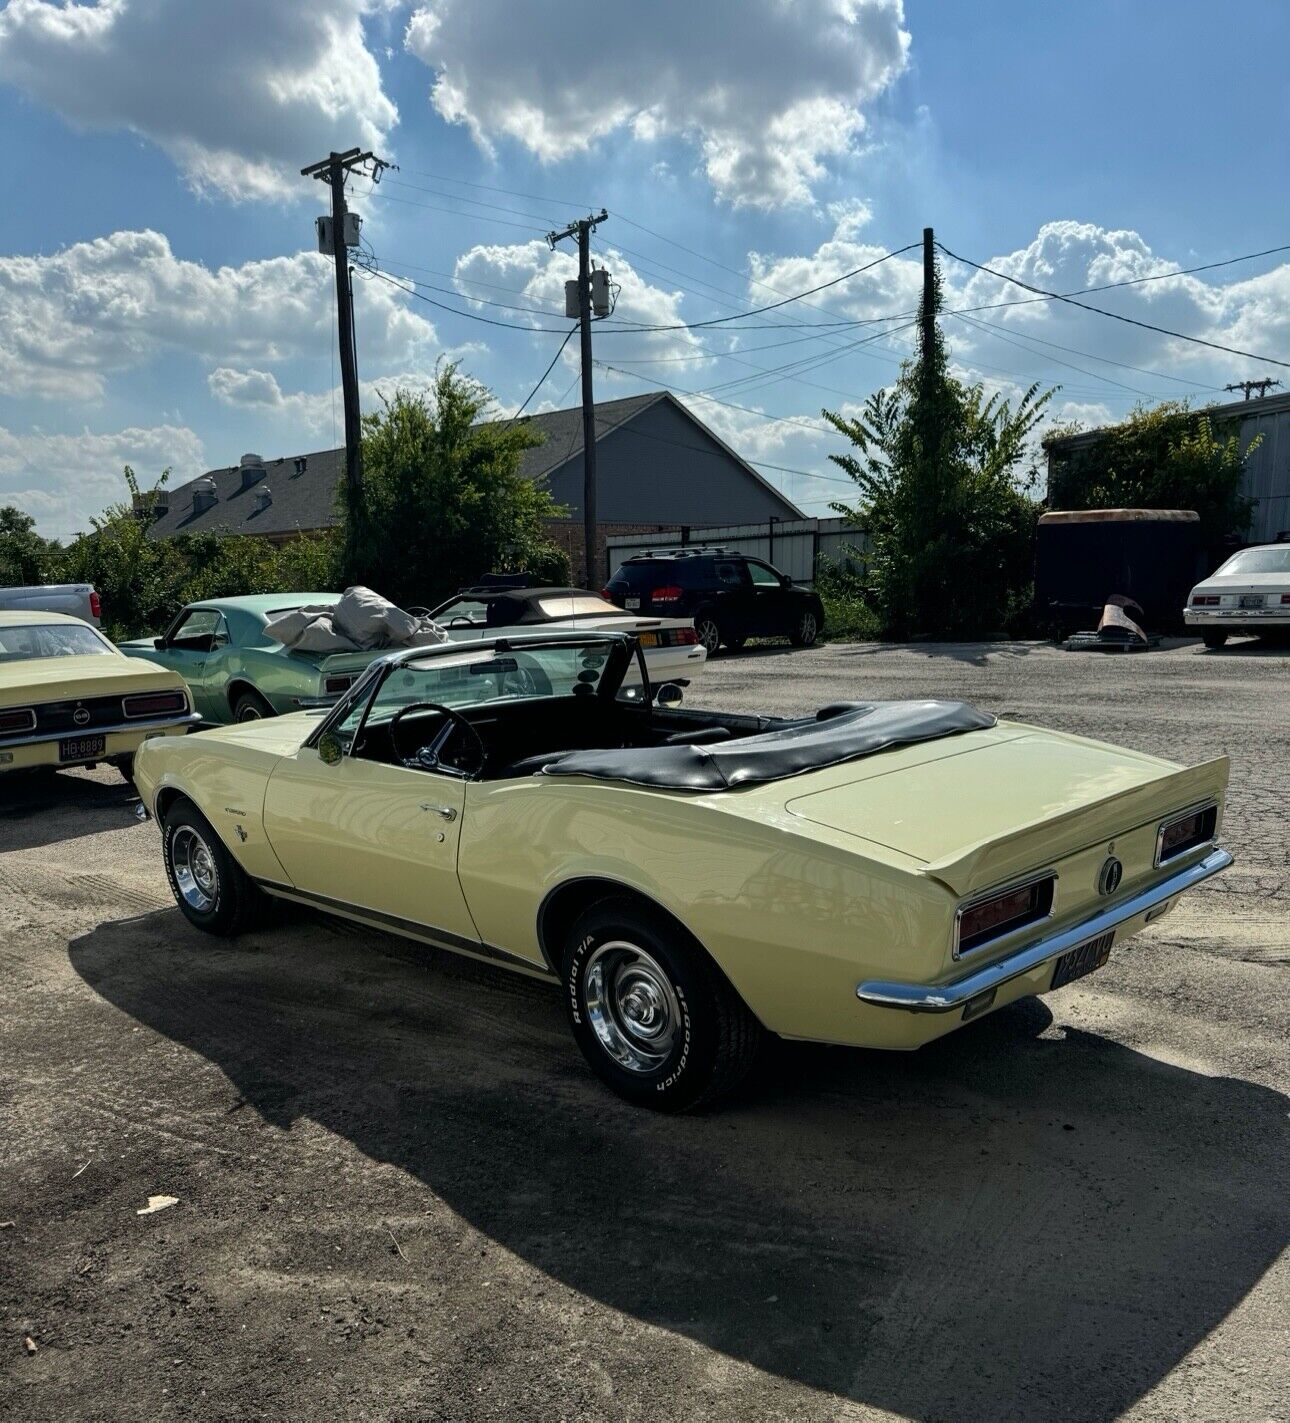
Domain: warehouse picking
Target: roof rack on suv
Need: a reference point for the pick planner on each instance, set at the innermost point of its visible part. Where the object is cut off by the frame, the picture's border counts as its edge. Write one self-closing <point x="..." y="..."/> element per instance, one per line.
<point x="685" y="551"/>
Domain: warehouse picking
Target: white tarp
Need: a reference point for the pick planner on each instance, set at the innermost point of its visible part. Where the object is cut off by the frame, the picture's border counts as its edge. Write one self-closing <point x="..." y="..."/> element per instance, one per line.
<point x="361" y="621"/>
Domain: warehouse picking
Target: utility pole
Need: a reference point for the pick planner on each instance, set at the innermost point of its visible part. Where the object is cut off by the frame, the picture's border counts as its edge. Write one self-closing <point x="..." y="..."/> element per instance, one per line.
<point x="333" y="170"/>
<point x="929" y="292"/>
<point x="583" y="229"/>
<point x="1262" y="386"/>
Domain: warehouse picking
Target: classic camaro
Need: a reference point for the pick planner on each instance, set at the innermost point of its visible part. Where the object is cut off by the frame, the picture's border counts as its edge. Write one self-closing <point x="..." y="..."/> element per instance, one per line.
<point x="69" y="698"/>
<point x="876" y="874"/>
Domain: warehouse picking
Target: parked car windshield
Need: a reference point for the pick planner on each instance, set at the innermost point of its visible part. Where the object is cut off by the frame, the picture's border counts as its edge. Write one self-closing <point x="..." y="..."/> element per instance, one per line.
<point x="38" y="640"/>
<point x="472" y="679"/>
<point x="1258" y="560"/>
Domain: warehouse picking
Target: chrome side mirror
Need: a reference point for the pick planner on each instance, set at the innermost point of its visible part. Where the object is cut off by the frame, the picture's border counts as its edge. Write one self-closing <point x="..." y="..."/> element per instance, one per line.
<point x="668" y="695"/>
<point x="330" y="750"/>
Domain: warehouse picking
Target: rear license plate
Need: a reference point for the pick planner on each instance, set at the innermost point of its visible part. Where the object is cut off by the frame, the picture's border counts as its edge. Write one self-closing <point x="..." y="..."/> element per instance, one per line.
<point x="1088" y="958"/>
<point x="649" y="639"/>
<point x="1251" y="600"/>
<point x="631" y="602"/>
<point x="81" y="748"/>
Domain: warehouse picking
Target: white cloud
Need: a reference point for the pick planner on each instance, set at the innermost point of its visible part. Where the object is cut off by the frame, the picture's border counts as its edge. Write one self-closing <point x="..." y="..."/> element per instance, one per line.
<point x="767" y="91"/>
<point x="241" y="94"/>
<point x="61" y="479"/>
<point x="69" y="320"/>
<point x="539" y="274"/>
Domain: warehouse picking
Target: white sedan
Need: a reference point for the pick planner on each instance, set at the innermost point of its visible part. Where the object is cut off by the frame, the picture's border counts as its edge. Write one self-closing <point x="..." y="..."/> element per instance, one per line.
<point x="671" y="648"/>
<point x="1248" y="596"/>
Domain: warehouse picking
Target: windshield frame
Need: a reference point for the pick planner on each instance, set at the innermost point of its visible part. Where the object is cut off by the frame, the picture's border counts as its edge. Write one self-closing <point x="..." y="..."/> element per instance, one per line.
<point x="620" y="647"/>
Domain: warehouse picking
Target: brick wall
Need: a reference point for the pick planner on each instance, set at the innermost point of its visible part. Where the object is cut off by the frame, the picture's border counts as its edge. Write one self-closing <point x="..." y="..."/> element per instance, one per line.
<point x="567" y="534"/>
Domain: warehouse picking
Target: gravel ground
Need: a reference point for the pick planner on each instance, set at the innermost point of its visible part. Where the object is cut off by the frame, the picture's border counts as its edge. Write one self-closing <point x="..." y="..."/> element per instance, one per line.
<point x="402" y="1197"/>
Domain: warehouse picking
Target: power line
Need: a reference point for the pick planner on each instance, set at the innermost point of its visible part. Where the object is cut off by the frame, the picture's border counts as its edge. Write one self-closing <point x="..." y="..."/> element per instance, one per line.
<point x="1115" y="316"/>
<point x="545" y="373"/>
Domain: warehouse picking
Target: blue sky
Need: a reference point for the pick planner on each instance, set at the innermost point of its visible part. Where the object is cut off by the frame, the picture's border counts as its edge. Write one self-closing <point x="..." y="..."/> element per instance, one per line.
<point x="163" y="304"/>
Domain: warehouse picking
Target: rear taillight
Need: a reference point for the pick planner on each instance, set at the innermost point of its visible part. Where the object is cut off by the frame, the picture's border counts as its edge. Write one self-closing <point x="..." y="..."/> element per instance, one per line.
<point x="21" y="719"/>
<point x="666" y="595"/>
<point x="1204" y="600"/>
<point x="154" y="704"/>
<point x="1000" y="914"/>
<point x="684" y="637"/>
<point x="334" y="686"/>
<point x="1176" y="837"/>
<point x="1285" y="597"/>
<point x="96" y="605"/>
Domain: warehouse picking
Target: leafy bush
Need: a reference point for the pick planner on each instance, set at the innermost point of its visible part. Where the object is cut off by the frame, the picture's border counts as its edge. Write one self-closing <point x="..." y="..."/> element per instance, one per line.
<point x="442" y="498"/>
<point x="849" y="614"/>
<point x="937" y="467"/>
<point x="1169" y="457"/>
<point x="25" y="557"/>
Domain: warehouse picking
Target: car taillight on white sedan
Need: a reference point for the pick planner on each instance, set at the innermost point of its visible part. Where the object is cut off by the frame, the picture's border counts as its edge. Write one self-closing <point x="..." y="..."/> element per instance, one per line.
<point x="96" y="605"/>
<point x="1204" y="600"/>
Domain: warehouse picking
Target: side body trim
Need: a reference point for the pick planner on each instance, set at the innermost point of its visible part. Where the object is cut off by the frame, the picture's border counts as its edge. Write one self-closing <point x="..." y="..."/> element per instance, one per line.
<point x="408" y="928"/>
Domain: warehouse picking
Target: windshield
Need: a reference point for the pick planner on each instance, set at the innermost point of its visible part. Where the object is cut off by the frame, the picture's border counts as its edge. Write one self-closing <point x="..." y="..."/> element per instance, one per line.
<point x="38" y="640"/>
<point x="1258" y="560"/>
<point x="483" y="677"/>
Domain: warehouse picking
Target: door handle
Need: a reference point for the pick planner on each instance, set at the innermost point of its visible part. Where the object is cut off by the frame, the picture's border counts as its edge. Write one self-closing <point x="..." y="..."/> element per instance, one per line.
<point x="444" y="812"/>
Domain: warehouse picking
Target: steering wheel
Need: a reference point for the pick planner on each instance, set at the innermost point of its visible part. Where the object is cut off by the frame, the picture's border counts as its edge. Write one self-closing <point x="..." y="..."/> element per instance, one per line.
<point x="460" y="620"/>
<point x="418" y="612"/>
<point x="426" y="758"/>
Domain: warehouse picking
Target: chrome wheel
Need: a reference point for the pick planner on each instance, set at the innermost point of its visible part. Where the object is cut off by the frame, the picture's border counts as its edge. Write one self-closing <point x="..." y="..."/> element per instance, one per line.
<point x="709" y="634"/>
<point x="631" y="1006"/>
<point x="194" y="869"/>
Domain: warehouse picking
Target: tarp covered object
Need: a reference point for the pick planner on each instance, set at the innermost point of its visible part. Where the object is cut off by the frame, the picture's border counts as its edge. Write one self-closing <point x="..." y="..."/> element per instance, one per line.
<point x="361" y="621"/>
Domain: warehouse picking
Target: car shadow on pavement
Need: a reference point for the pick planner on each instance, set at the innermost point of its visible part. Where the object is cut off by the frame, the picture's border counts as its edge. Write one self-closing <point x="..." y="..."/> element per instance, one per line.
<point x="1018" y="1222"/>
<point x="42" y="809"/>
<point x="977" y="654"/>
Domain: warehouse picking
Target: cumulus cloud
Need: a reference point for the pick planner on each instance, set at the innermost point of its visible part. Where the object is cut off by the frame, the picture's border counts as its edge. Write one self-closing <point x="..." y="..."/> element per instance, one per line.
<point x="240" y="93"/>
<point x="61" y="479"/>
<point x="70" y="320"/>
<point x="767" y="92"/>
<point x="539" y="274"/>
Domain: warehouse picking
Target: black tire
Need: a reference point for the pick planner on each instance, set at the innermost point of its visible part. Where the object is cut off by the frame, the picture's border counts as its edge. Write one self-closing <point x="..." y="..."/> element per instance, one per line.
<point x="212" y="890"/>
<point x="735" y="644"/>
<point x="1216" y="638"/>
<point x="709" y="632"/>
<point x="625" y="962"/>
<point x="806" y="629"/>
<point x="125" y="764"/>
<point x="251" y="706"/>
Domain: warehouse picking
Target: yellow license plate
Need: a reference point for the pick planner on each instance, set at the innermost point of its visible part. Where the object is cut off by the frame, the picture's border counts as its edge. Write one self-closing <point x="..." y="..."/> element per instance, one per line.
<point x="649" y="639"/>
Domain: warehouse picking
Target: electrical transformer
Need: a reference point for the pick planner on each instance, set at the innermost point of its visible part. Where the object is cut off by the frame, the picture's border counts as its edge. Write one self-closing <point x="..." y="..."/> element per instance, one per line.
<point x="600" y="302"/>
<point x="323" y="224"/>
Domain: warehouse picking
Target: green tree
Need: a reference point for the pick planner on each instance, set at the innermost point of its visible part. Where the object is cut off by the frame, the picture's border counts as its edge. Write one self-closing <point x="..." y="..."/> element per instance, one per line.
<point x="1168" y="457"/>
<point x="442" y="498"/>
<point x="938" y="469"/>
<point x="25" y="557"/>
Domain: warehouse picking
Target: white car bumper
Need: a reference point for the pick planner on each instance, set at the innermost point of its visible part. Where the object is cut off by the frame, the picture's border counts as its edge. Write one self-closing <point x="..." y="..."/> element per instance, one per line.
<point x="1277" y="616"/>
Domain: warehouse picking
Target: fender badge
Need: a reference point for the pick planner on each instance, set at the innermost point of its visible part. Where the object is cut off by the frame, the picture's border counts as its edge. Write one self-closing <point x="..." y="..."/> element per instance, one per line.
<point x="1109" y="876"/>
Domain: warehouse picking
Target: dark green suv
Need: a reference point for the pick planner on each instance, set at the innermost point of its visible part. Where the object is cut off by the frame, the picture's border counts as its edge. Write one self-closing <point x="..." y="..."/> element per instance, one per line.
<point x="730" y="596"/>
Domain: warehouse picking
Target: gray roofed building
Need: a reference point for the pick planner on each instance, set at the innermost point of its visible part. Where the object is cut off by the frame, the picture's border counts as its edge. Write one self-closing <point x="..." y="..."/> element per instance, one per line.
<point x="658" y="467"/>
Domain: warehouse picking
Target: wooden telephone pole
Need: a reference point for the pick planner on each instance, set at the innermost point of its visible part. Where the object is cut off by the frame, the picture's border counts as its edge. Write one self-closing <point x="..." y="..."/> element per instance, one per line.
<point x="583" y="229"/>
<point x="333" y="170"/>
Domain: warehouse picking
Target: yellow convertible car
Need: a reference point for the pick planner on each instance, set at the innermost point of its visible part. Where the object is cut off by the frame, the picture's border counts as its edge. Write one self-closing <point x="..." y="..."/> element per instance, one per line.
<point x="876" y="874"/>
<point x="69" y="698"/>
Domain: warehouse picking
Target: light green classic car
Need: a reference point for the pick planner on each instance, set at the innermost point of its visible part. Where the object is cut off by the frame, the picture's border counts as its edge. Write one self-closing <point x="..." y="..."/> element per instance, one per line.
<point x="877" y="874"/>
<point x="235" y="671"/>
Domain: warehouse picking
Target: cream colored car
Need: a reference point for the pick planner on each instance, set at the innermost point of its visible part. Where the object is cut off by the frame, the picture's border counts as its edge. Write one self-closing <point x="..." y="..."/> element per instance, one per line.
<point x="69" y="698"/>
<point x="876" y="874"/>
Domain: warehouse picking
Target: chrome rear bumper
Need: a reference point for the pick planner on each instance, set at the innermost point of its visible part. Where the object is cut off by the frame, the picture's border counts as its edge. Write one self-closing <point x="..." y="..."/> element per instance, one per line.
<point x="946" y="997"/>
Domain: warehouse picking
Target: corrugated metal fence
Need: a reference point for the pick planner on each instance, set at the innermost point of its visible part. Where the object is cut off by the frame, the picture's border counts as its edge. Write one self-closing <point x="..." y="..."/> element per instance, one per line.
<point x="793" y="546"/>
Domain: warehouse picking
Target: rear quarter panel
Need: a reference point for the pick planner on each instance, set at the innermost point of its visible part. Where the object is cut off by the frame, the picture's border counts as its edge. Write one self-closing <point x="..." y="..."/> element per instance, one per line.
<point x="795" y="917"/>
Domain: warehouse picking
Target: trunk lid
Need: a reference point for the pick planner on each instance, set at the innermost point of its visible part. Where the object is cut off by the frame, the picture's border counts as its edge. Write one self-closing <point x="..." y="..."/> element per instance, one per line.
<point x="995" y="806"/>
